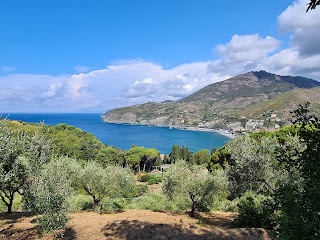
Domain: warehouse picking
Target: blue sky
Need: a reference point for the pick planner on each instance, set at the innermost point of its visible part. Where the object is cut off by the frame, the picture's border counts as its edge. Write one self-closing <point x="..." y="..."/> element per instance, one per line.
<point x="90" y="56"/>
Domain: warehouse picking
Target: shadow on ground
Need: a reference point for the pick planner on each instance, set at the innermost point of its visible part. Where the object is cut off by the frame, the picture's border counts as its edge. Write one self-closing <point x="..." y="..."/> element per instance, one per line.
<point x="136" y="229"/>
<point x="69" y="234"/>
<point x="213" y="219"/>
<point x="8" y="229"/>
<point x="14" y="226"/>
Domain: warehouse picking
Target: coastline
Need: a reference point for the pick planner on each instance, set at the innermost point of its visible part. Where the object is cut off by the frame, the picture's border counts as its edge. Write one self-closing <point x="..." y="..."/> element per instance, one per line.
<point x="220" y="131"/>
<point x="196" y="129"/>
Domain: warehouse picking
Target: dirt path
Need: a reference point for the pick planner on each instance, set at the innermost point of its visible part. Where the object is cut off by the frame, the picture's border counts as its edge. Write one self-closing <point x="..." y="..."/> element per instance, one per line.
<point x="135" y="224"/>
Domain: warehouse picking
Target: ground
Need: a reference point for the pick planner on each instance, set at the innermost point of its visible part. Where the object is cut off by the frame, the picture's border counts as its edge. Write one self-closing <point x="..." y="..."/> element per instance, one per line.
<point x="133" y="224"/>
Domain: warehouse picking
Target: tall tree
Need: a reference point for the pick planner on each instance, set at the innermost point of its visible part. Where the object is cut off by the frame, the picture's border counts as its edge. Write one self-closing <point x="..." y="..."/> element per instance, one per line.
<point x="12" y="170"/>
<point x="299" y="195"/>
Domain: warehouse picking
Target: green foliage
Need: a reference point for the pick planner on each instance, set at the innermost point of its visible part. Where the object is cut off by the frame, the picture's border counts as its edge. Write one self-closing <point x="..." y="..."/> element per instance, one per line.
<point x="154" y="180"/>
<point x="226" y="205"/>
<point x="202" y="157"/>
<point x="98" y="182"/>
<point x="17" y="204"/>
<point x="79" y="202"/>
<point x="39" y="149"/>
<point x="150" y="201"/>
<point x="136" y="191"/>
<point x="73" y="142"/>
<point x="48" y="192"/>
<point x="299" y="195"/>
<point x="113" y="204"/>
<point x="151" y="178"/>
<point x="195" y="183"/>
<point x="159" y="202"/>
<point x="12" y="169"/>
<point x="145" y="178"/>
<point x="253" y="165"/>
<point x="219" y="159"/>
<point x="180" y="153"/>
<point x="141" y="157"/>
<point x="110" y="156"/>
<point x="256" y="211"/>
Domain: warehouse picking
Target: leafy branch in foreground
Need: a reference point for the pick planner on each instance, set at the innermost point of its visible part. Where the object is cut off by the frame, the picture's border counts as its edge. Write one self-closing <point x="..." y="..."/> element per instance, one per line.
<point x="313" y="4"/>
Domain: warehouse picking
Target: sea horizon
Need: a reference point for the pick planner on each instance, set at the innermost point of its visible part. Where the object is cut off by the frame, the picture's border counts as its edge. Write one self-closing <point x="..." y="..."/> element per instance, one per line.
<point x="123" y="136"/>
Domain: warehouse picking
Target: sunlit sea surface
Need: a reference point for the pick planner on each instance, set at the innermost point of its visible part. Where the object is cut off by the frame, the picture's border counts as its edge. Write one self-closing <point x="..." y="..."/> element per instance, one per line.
<point x="124" y="136"/>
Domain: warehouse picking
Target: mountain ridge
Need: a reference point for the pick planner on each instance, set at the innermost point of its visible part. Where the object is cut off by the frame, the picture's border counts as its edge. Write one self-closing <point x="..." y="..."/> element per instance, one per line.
<point x="220" y="104"/>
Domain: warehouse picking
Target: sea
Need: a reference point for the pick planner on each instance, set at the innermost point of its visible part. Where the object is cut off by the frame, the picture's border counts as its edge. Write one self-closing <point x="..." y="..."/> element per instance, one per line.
<point x="124" y="136"/>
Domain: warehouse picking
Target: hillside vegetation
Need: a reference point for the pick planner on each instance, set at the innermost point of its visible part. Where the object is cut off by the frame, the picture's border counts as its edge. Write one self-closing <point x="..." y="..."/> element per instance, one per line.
<point x="270" y="179"/>
<point x="227" y="104"/>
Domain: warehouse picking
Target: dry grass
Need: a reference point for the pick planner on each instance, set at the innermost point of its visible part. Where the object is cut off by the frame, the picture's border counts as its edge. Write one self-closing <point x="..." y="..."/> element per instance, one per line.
<point x="133" y="224"/>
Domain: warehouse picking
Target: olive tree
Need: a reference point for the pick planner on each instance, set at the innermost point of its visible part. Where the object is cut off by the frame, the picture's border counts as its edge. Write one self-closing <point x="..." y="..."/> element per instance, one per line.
<point x="38" y="150"/>
<point x="49" y="190"/>
<point x="252" y="165"/>
<point x="12" y="170"/>
<point x="194" y="183"/>
<point x="113" y="181"/>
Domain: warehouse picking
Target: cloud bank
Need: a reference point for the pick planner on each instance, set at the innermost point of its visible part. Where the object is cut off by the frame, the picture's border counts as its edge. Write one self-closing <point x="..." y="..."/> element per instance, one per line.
<point x="137" y="81"/>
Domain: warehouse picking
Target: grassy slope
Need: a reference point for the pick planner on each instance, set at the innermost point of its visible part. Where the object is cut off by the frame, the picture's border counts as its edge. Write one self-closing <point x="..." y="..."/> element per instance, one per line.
<point x="286" y="102"/>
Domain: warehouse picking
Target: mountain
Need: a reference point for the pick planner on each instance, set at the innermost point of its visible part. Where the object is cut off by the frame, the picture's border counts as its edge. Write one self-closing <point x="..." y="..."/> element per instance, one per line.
<point x="222" y="104"/>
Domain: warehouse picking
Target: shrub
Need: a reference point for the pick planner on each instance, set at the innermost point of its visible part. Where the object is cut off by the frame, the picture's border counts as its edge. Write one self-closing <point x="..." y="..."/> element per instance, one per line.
<point x="159" y="202"/>
<point x="137" y="190"/>
<point x="195" y="183"/>
<point x="154" y="180"/>
<point x="227" y="205"/>
<point x="47" y="195"/>
<point x="79" y="202"/>
<point x="150" y="201"/>
<point x="111" y="204"/>
<point x="145" y="178"/>
<point x="256" y="211"/>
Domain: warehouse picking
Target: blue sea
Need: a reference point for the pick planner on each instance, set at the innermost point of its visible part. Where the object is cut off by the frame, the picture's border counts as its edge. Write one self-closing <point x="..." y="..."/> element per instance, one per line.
<point x="124" y="136"/>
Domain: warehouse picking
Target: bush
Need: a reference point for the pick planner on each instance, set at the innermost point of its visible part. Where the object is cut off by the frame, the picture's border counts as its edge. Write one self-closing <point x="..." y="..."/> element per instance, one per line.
<point x="145" y="178"/>
<point x="150" y="201"/>
<point x="137" y="190"/>
<point x="159" y="202"/>
<point x="256" y="211"/>
<point x="151" y="179"/>
<point x="227" y="205"/>
<point x="48" y="193"/>
<point x="80" y="202"/>
<point x="112" y="204"/>
<point x="154" y="180"/>
<point x="53" y="220"/>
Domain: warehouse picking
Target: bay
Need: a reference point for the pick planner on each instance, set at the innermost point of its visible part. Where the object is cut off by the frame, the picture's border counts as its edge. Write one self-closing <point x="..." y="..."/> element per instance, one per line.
<point x="124" y="136"/>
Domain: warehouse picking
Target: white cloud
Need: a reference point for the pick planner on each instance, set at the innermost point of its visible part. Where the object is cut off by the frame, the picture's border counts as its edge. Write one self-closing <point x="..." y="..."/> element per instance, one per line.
<point x="304" y="27"/>
<point x="243" y="53"/>
<point x="296" y="17"/>
<point x="137" y="81"/>
<point x="247" y="48"/>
